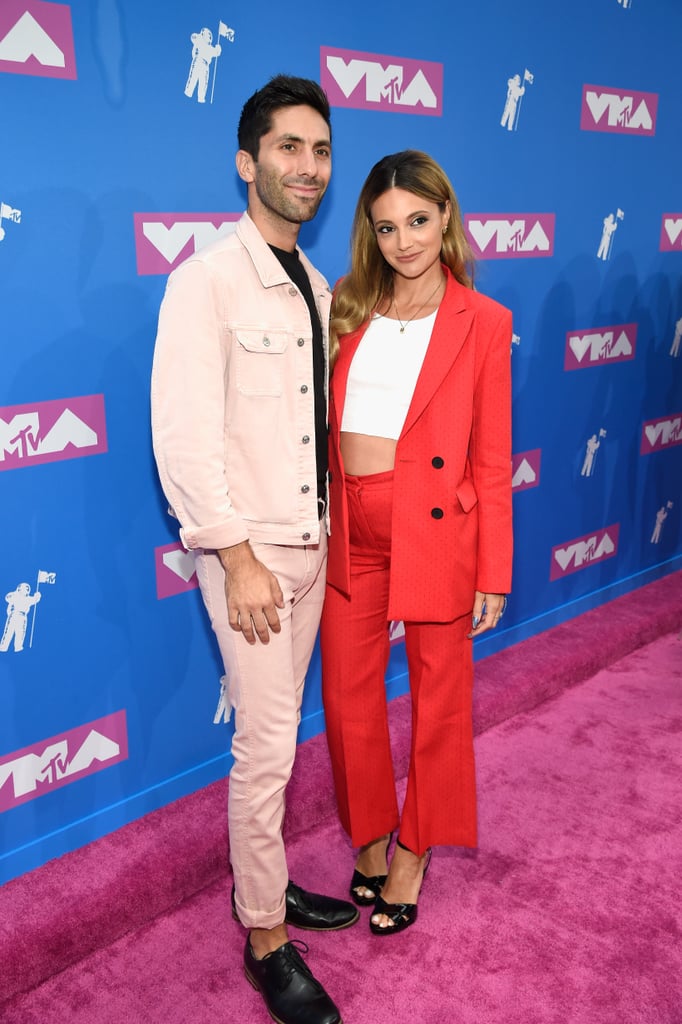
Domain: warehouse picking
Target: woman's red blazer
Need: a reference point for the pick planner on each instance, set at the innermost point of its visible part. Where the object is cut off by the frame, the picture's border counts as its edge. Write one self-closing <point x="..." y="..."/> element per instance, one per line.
<point x="452" y="498"/>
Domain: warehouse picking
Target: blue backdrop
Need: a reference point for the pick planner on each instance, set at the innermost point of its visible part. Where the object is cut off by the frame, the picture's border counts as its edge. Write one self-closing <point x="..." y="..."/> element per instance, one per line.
<point x="559" y="126"/>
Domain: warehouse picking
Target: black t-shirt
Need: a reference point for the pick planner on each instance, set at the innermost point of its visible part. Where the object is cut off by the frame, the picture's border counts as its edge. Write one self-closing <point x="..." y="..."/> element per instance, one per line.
<point x="298" y="275"/>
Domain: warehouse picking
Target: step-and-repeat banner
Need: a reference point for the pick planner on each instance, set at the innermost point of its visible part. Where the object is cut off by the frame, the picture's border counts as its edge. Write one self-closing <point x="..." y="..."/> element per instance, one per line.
<point x="559" y="125"/>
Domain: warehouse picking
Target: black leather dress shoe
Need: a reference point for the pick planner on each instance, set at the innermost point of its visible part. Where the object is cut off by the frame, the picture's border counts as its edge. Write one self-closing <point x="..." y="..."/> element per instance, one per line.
<point x="313" y="912"/>
<point x="318" y="913"/>
<point x="291" y="993"/>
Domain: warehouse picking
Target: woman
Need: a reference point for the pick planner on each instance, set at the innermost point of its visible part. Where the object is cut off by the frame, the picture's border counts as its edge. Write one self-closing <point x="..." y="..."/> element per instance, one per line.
<point x="420" y="505"/>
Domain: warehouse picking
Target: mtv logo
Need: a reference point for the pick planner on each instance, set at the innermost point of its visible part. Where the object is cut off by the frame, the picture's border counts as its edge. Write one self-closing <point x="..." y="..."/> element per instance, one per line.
<point x="64" y="428"/>
<point x="617" y="110"/>
<point x="175" y="571"/>
<point x="671" y="232"/>
<point x="36" y="38"/>
<point x="510" y="235"/>
<point x="661" y="433"/>
<point x="599" y="345"/>
<point x="578" y="554"/>
<point x="164" y="240"/>
<point x="372" y="81"/>
<point x="51" y="764"/>
<point x="526" y="470"/>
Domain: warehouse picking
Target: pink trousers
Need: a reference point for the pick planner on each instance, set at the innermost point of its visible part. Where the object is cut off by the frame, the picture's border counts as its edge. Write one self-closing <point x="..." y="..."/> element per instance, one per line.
<point x="440" y="801"/>
<point x="265" y="685"/>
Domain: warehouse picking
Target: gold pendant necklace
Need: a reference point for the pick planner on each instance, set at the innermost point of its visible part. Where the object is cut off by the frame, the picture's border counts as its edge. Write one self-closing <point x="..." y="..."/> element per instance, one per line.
<point x="404" y="325"/>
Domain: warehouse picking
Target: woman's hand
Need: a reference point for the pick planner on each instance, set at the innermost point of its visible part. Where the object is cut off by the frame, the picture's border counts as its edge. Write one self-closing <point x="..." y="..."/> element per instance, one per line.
<point x="487" y="611"/>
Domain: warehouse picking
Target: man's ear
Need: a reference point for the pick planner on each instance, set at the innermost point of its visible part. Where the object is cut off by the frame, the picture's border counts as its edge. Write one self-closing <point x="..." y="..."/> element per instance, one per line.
<point x="245" y="165"/>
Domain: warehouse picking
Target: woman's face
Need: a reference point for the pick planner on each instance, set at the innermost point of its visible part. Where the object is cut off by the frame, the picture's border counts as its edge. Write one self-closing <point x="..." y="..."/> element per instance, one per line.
<point x="409" y="231"/>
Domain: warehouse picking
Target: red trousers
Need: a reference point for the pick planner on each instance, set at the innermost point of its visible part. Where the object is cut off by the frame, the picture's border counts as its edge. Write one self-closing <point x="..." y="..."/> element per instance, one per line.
<point x="440" y="801"/>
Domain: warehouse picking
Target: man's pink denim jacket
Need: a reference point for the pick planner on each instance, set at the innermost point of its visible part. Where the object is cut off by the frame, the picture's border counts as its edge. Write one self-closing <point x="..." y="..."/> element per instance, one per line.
<point x="232" y="396"/>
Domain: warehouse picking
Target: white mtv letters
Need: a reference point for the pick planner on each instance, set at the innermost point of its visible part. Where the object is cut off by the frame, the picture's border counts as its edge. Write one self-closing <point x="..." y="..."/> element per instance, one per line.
<point x="620" y="110"/>
<point x="584" y="551"/>
<point x="54" y="763"/>
<point x="170" y="241"/>
<point x="600" y="345"/>
<point x="8" y="213"/>
<point x="29" y="39"/>
<point x="21" y="435"/>
<point x="381" y="83"/>
<point x="664" y="431"/>
<point x="509" y="235"/>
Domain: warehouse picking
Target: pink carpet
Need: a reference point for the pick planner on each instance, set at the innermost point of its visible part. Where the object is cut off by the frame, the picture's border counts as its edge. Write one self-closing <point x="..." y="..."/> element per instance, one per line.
<point x="569" y="911"/>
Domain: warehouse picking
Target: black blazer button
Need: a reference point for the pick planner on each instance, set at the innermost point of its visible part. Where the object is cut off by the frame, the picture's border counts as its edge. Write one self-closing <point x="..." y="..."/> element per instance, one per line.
<point x="437" y="513"/>
<point x="437" y="462"/>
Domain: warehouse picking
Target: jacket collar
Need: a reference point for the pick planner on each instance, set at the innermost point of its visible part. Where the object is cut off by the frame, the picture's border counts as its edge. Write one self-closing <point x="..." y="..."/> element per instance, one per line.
<point x="267" y="266"/>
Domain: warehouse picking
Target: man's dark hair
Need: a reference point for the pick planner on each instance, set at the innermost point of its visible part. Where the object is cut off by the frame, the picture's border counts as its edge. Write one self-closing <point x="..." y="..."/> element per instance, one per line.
<point x="281" y="91"/>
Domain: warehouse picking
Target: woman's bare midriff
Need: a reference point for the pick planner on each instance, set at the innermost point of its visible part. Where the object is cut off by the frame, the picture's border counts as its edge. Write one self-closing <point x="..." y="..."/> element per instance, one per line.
<point x="363" y="454"/>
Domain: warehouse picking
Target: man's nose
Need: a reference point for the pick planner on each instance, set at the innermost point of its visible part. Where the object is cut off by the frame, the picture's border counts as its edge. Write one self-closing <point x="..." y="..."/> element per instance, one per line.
<point x="307" y="163"/>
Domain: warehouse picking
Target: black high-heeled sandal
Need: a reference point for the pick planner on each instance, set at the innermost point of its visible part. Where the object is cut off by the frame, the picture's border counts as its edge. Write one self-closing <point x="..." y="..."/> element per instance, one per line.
<point x="401" y="915"/>
<point x="374" y="883"/>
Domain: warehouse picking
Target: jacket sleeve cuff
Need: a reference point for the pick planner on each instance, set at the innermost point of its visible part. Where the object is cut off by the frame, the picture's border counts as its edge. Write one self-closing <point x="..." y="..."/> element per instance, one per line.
<point x="213" y="538"/>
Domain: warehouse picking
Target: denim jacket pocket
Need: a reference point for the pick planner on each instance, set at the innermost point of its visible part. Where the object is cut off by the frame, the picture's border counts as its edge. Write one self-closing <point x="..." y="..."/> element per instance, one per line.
<point x="260" y="361"/>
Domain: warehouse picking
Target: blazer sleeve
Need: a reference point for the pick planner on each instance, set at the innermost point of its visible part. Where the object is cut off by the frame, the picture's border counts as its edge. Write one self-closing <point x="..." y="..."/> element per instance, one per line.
<point x="490" y="453"/>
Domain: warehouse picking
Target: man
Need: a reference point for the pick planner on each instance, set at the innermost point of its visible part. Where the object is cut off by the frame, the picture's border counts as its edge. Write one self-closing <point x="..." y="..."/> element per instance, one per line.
<point x="239" y="427"/>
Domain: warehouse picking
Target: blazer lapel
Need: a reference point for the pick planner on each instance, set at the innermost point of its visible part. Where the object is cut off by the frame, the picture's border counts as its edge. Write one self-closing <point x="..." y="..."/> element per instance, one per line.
<point x="450" y="331"/>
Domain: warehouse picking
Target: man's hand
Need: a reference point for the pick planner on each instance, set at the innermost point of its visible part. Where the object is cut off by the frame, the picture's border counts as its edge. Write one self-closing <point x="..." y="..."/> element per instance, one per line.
<point x="487" y="611"/>
<point x="252" y="592"/>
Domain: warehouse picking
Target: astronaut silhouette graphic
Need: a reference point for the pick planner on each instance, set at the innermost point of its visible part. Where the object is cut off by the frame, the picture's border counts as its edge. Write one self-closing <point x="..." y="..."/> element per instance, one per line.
<point x="515" y="90"/>
<point x="625" y="3"/>
<point x="19" y="604"/>
<point x="661" y="516"/>
<point x="591" y="452"/>
<point x="203" y="52"/>
<point x="675" y="349"/>
<point x="610" y="226"/>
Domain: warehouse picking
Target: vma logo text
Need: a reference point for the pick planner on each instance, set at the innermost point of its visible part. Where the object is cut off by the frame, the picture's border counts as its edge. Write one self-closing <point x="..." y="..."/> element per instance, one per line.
<point x="56" y="762"/>
<point x="371" y="81"/>
<point x="578" y="554"/>
<point x="661" y="433"/>
<point x="618" y="110"/>
<point x="164" y="240"/>
<point x="671" y="232"/>
<point x="509" y="235"/>
<point x="36" y="38"/>
<point x="175" y="570"/>
<point x="65" y="428"/>
<point x="526" y="470"/>
<point x="600" y="345"/>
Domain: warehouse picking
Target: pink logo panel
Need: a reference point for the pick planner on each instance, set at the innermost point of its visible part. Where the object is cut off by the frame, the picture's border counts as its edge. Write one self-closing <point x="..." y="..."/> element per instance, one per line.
<point x="53" y="763"/>
<point x="175" y="571"/>
<point x="584" y="551"/>
<point x="618" y="110"/>
<point x="665" y="432"/>
<point x="373" y="81"/>
<point x="599" y="345"/>
<point x="164" y="240"/>
<point x="671" y="232"/>
<point x="495" y="236"/>
<point x="36" y="38"/>
<point x="526" y="469"/>
<point x="63" y="428"/>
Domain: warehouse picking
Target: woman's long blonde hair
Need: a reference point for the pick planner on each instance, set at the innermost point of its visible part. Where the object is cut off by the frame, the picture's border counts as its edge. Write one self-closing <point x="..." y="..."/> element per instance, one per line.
<point x="370" y="279"/>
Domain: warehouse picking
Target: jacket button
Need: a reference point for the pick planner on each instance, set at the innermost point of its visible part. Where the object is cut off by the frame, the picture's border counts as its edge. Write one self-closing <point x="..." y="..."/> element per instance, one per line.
<point x="437" y="462"/>
<point x="266" y="342"/>
<point x="301" y="342"/>
<point x="437" y="513"/>
<point x="292" y="291"/>
<point x="305" y="439"/>
<point x="305" y="489"/>
<point x="306" y="536"/>
<point x="304" y="389"/>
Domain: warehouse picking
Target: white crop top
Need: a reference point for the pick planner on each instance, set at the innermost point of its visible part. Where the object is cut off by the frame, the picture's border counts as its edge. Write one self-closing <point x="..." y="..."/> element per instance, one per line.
<point x="383" y="374"/>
